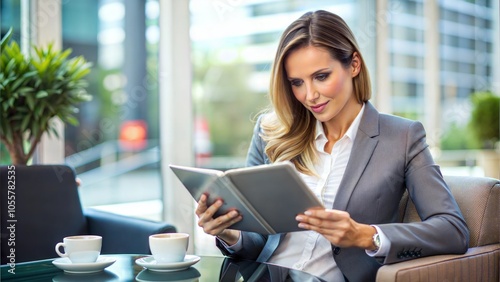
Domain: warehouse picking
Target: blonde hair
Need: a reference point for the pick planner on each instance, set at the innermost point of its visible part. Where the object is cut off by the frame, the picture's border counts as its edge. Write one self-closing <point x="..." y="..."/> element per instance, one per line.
<point x="289" y="128"/>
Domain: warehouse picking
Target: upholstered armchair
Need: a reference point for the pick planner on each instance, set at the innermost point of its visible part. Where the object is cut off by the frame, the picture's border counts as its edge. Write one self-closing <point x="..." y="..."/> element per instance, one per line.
<point x="47" y="208"/>
<point x="479" y="201"/>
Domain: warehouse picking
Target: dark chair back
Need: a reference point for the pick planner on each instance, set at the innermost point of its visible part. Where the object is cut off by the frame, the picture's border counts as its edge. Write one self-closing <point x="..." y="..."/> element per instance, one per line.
<point x="40" y="206"/>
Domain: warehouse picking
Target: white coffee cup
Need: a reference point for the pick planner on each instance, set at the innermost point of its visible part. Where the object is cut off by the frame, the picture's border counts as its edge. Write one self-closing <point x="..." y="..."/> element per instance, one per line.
<point x="80" y="249"/>
<point x="169" y="247"/>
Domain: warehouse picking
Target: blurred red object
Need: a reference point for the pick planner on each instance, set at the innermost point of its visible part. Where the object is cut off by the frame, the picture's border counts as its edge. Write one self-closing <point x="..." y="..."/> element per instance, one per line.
<point x="133" y="135"/>
<point x="202" y="143"/>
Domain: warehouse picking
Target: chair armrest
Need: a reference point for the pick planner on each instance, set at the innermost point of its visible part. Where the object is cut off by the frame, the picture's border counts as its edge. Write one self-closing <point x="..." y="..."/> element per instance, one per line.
<point x="123" y="234"/>
<point x="477" y="264"/>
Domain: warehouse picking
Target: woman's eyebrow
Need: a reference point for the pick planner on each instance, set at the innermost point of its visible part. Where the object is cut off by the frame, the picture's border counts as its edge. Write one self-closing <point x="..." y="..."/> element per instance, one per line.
<point x="319" y="71"/>
<point x="313" y="74"/>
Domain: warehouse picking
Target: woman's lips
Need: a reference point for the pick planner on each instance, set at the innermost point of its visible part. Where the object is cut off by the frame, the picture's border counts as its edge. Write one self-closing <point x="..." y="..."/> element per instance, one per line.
<point x="319" y="108"/>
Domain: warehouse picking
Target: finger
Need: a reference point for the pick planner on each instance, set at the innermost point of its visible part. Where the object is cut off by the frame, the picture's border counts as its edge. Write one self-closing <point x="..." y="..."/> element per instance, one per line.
<point x="229" y="224"/>
<point x="329" y="233"/>
<point x="212" y="209"/>
<point x="209" y="212"/>
<point x="323" y="223"/>
<point x="207" y="217"/>
<point x="314" y="221"/>
<point x="227" y="220"/>
<point x="326" y="214"/>
<point x="217" y="225"/>
<point x="308" y="226"/>
<point x="330" y="216"/>
<point x="202" y="205"/>
<point x="203" y="199"/>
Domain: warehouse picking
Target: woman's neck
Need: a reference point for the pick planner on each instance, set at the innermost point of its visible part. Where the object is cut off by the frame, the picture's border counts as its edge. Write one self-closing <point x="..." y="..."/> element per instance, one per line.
<point x="337" y="127"/>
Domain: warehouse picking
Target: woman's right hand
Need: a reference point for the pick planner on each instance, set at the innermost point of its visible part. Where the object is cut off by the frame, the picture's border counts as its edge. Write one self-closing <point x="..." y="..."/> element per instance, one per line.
<point x="217" y="226"/>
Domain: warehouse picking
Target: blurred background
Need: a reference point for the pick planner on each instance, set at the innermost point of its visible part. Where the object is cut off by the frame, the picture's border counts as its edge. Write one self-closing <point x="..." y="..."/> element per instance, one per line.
<point x="181" y="82"/>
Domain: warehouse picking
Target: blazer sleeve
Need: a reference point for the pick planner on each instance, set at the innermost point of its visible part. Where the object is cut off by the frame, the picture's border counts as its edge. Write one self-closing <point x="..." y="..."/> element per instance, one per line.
<point x="256" y="152"/>
<point x="443" y="229"/>
<point x="252" y="243"/>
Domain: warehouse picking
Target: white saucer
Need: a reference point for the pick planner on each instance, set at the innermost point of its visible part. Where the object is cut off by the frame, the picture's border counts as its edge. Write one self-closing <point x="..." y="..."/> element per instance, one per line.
<point x="69" y="267"/>
<point x="150" y="263"/>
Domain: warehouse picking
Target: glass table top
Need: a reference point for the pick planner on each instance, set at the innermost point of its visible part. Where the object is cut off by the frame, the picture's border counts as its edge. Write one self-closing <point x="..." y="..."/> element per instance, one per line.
<point x="125" y="268"/>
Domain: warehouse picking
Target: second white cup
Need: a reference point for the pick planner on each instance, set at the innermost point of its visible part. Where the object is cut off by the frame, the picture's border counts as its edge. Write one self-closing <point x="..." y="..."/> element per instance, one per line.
<point x="80" y="249"/>
<point x="169" y="247"/>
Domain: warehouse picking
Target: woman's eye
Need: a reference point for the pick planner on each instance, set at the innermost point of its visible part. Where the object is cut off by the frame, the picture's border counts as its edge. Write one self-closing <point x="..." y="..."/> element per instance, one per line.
<point x="296" y="82"/>
<point x="321" y="76"/>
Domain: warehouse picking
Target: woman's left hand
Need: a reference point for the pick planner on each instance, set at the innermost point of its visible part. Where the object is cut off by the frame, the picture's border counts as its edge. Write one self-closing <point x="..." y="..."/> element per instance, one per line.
<point x="338" y="227"/>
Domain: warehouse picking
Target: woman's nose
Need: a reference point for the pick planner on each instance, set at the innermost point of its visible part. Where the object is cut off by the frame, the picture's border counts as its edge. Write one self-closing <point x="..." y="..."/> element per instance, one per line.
<point x="311" y="94"/>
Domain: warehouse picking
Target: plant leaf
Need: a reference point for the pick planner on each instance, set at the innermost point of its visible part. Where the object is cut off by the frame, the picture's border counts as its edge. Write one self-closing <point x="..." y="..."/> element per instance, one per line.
<point x="41" y="94"/>
<point x="24" y="124"/>
<point x="6" y="38"/>
<point x="31" y="101"/>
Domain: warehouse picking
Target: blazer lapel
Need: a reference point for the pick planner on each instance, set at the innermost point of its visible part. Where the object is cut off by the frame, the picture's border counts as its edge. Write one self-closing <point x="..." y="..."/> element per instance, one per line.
<point x="362" y="150"/>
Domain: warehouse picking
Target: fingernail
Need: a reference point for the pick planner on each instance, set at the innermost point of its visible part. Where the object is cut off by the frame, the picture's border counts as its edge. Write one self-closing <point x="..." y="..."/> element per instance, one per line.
<point x="308" y="213"/>
<point x="299" y="218"/>
<point x="233" y="213"/>
<point x="302" y="225"/>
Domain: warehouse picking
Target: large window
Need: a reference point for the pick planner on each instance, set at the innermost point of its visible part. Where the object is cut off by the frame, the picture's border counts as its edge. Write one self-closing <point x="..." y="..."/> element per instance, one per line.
<point x="115" y="147"/>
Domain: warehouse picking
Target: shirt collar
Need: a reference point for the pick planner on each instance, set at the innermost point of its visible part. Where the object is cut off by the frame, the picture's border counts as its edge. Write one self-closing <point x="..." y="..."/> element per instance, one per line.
<point x="351" y="132"/>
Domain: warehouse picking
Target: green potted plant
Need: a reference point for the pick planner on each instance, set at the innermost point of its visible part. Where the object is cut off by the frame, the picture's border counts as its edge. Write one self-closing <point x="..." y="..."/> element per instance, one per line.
<point x="485" y="125"/>
<point x="34" y="90"/>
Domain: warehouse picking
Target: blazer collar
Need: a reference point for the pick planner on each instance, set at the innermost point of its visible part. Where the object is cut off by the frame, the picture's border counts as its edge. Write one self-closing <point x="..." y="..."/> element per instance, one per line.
<point x="362" y="151"/>
<point x="369" y="122"/>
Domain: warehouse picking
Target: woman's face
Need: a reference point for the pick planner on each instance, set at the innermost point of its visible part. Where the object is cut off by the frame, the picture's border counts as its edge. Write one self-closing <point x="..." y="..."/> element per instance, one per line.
<point x="321" y="83"/>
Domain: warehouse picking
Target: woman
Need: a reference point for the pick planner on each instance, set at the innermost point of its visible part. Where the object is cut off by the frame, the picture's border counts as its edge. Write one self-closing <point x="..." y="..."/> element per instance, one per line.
<point x="357" y="161"/>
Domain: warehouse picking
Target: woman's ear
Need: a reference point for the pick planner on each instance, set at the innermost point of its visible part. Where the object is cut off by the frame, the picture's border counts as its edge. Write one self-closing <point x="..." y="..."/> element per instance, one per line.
<point x="355" y="64"/>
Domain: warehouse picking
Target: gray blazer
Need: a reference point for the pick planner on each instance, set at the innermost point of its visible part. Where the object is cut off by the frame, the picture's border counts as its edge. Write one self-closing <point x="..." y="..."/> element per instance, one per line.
<point x="389" y="155"/>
